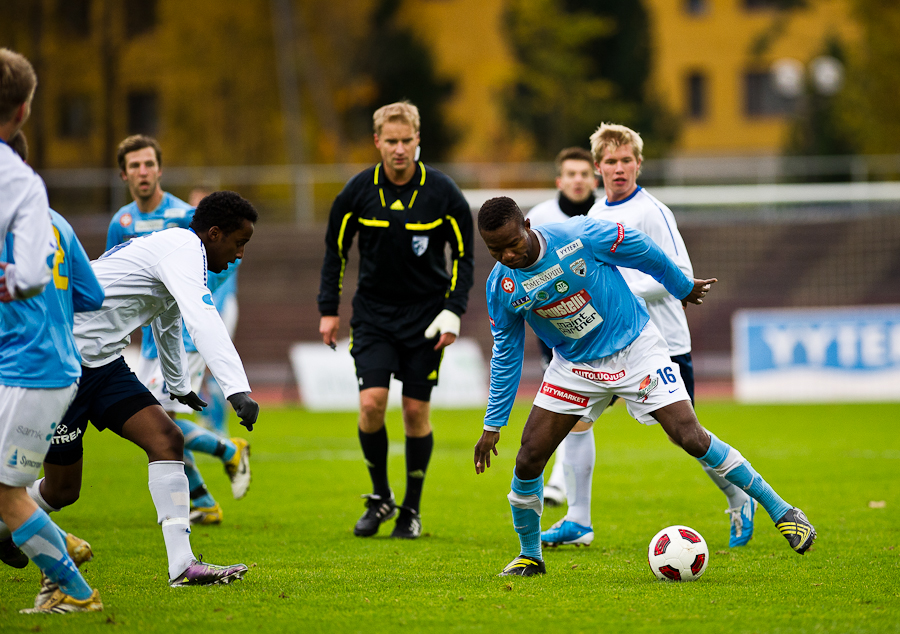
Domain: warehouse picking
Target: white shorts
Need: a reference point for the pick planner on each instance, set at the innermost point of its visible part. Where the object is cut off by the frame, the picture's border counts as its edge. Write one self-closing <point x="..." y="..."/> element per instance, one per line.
<point x="149" y="372"/>
<point x="28" y="418"/>
<point x="643" y="375"/>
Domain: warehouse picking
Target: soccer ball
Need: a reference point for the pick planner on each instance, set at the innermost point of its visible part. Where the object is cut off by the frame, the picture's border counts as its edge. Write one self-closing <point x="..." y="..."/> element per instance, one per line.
<point x="678" y="553"/>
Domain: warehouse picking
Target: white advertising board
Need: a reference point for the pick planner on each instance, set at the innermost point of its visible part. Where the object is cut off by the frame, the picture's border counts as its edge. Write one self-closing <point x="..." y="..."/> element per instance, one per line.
<point x="816" y="355"/>
<point x="326" y="378"/>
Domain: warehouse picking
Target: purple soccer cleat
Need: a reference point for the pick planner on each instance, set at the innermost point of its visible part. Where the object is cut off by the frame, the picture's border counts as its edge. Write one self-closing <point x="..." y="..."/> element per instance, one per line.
<point x="202" y="574"/>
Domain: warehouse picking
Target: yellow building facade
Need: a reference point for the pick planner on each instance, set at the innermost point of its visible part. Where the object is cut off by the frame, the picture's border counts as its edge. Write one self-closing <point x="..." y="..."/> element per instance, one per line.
<point x="203" y="75"/>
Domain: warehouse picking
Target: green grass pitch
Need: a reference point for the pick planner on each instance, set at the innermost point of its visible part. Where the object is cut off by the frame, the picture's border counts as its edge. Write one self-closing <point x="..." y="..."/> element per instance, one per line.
<point x="309" y="573"/>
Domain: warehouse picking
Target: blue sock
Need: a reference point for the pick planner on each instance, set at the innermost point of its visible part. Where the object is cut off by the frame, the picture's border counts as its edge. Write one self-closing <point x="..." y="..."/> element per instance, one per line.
<point x="200" y="496"/>
<point x="740" y="472"/>
<point x="198" y="439"/>
<point x="527" y="502"/>
<point x="45" y="545"/>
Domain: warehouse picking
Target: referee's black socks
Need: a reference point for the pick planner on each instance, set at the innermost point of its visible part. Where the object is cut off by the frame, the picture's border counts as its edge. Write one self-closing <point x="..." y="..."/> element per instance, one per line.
<point x="418" y="455"/>
<point x="375" y="451"/>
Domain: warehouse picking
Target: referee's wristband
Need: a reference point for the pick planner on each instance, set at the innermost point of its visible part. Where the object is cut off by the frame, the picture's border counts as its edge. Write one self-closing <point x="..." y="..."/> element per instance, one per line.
<point x="492" y="428"/>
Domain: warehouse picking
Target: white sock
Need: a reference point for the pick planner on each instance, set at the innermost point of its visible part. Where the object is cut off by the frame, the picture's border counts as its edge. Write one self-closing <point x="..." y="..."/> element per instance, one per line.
<point x="736" y="496"/>
<point x="557" y="477"/>
<point x="169" y="490"/>
<point x="579" y="468"/>
<point x="34" y="492"/>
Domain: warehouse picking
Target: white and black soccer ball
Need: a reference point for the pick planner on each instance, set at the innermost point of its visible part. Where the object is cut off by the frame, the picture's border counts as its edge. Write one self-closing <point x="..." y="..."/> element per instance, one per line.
<point x="678" y="553"/>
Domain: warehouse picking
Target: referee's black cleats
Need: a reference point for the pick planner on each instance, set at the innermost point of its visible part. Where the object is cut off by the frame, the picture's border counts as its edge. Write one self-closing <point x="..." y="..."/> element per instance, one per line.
<point x="523" y="566"/>
<point x="797" y="530"/>
<point x="409" y="524"/>
<point x="378" y="510"/>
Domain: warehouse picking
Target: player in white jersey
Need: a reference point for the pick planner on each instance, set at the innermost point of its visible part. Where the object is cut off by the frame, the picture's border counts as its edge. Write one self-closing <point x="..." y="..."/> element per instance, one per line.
<point x="563" y="279"/>
<point x="156" y="279"/>
<point x="38" y="360"/>
<point x="618" y="154"/>
<point x="576" y="182"/>
<point x="140" y="165"/>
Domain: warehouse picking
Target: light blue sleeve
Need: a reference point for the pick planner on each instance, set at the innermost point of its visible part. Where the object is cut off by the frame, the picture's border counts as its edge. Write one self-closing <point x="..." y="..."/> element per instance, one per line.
<point x="507" y="355"/>
<point x="618" y="245"/>
<point x="87" y="294"/>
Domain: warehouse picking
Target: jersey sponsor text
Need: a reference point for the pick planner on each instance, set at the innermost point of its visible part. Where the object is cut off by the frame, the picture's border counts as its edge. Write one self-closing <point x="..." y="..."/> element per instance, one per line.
<point x="569" y="249"/>
<point x="554" y="391"/>
<point x="599" y="377"/>
<point x="542" y="278"/>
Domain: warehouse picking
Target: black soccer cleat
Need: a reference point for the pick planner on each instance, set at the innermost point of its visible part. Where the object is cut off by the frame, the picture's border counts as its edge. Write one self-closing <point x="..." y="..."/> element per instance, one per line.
<point x="377" y="511"/>
<point x="409" y="524"/>
<point x="797" y="530"/>
<point x="523" y="566"/>
<point x="12" y="555"/>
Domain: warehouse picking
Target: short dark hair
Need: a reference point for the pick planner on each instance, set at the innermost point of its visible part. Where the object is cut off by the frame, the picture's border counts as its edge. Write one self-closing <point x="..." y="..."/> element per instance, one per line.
<point x="19" y="145"/>
<point x="572" y="154"/>
<point x="17" y="83"/>
<point x="225" y="210"/>
<point x="134" y="143"/>
<point x="498" y="212"/>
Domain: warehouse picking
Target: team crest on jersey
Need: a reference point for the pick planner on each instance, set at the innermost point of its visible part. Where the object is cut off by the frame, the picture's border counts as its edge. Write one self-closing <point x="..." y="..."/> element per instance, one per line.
<point x="569" y="249"/>
<point x="125" y="220"/>
<point x="542" y="296"/>
<point x="562" y="286"/>
<point x="508" y="285"/>
<point x="573" y="316"/>
<point x="521" y="301"/>
<point x="579" y="267"/>
<point x="647" y="385"/>
<point x="419" y="244"/>
<point x="542" y="278"/>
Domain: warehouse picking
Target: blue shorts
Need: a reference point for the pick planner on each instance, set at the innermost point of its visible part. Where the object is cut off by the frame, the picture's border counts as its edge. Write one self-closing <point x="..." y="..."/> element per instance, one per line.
<point x="107" y="397"/>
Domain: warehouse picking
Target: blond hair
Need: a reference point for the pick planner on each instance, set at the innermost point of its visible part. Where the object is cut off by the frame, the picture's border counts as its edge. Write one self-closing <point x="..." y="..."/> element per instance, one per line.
<point x="611" y="136"/>
<point x="17" y="83"/>
<point x="402" y="111"/>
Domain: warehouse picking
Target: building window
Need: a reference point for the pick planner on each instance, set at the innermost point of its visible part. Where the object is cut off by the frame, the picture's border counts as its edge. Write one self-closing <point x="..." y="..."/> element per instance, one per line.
<point x="697" y="89"/>
<point x="74" y="17"/>
<point x="696" y="7"/>
<point x="762" y="99"/>
<point x="143" y="113"/>
<point x="140" y="17"/>
<point x="74" y="116"/>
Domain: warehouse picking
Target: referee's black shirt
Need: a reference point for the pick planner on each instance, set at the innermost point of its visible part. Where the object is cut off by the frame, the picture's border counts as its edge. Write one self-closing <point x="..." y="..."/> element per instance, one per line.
<point x="402" y="236"/>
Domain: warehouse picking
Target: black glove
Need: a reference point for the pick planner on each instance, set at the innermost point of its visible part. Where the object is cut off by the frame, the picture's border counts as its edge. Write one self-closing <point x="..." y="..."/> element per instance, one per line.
<point x="191" y="400"/>
<point x="246" y="408"/>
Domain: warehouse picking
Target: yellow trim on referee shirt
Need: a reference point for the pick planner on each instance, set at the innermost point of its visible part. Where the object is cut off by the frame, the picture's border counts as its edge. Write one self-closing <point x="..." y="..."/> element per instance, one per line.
<point x="424" y="226"/>
<point x="340" y="243"/>
<point x="366" y="222"/>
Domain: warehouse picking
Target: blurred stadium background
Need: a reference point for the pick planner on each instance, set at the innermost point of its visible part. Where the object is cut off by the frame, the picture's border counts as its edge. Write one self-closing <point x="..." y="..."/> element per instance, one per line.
<point x="770" y="126"/>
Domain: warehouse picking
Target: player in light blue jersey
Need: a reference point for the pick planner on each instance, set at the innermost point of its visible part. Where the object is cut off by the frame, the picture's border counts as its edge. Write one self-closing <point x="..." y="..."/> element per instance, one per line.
<point x="562" y="279"/>
<point x="39" y="363"/>
<point x="140" y="162"/>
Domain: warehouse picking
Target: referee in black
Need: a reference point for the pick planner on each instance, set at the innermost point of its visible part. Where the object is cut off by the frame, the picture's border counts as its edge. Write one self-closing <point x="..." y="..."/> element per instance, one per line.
<point x="406" y="214"/>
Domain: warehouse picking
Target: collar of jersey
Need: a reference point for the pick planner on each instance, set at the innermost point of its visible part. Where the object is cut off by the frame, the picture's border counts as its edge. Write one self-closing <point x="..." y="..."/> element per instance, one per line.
<point x="624" y="200"/>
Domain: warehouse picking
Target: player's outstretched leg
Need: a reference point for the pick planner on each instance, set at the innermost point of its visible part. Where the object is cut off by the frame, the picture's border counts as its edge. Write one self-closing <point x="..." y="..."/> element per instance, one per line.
<point x="730" y="464"/>
<point x="233" y="452"/>
<point x="204" y="508"/>
<point x="45" y="545"/>
<point x="418" y="455"/>
<point x="527" y="503"/>
<point x="555" y="489"/>
<point x="579" y="458"/>
<point x="169" y="490"/>
<point x="741" y="508"/>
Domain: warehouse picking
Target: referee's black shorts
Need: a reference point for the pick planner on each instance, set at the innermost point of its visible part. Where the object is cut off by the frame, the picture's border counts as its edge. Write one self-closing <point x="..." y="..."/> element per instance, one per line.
<point x="390" y="340"/>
